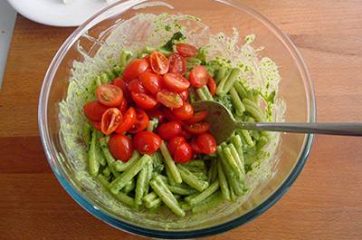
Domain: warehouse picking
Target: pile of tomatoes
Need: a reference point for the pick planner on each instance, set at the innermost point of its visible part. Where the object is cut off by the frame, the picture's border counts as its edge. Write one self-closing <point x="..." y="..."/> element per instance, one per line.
<point x="154" y="87"/>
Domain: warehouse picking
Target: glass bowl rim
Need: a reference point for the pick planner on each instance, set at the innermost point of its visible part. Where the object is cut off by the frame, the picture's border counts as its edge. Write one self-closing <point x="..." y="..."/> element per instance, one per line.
<point x="122" y="225"/>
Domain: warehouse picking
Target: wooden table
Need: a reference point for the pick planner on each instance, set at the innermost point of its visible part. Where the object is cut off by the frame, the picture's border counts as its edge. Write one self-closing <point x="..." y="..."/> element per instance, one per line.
<point x="324" y="203"/>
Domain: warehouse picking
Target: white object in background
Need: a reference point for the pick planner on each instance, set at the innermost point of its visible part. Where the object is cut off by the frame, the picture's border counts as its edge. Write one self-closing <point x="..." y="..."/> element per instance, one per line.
<point x="56" y="13"/>
<point x="7" y="21"/>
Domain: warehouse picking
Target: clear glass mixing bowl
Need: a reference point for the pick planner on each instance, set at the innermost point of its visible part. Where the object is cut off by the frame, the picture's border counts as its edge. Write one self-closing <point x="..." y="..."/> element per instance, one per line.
<point x="221" y="16"/>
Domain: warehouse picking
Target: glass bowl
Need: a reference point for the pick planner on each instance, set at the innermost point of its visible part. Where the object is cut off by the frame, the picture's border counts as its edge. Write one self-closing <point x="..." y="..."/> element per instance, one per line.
<point x="295" y="89"/>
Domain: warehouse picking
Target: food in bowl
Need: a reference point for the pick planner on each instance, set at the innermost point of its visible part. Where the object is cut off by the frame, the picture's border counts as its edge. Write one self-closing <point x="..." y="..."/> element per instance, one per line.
<point x="130" y="129"/>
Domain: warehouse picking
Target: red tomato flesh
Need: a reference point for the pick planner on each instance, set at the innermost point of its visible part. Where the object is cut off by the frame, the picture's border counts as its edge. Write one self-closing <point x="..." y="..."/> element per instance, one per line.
<point x="175" y="82"/>
<point x="121" y="147"/>
<point x="197" y="128"/>
<point x="109" y="95"/>
<point x="110" y="120"/>
<point x="199" y="76"/>
<point x="186" y="50"/>
<point x="177" y="64"/>
<point x="169" y="130"/>
<point x="159" y="63"/>
<point x="146" y="142"/>
<point x="197" y="117"/>
<point x="94" y="110"/>
<point x="142" y="121"/>
<point x="129" y="119"/>
<point x="134" y="69"/>
<point x="169" y="99"/>
<point x="143" y="100"/>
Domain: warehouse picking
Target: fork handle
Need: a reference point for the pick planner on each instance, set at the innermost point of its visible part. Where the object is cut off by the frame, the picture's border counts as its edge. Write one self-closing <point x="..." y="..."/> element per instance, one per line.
<point x="347" y="129"/>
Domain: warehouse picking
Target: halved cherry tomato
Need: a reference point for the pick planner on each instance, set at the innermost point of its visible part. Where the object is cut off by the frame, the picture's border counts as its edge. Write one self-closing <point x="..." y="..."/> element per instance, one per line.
<point x="134" y="69"/>
<point x="199" y="76"/>
<point x="168" y="114"/>
<point x="174" y="143"/>
<point x="184" y="113"/>
<point x="110" y="120"/>
<point x="195" y="147"/>
<point x="142" y="121"/>
<point x="159" y="63"/>
<point x="197" y="128"/>
<point x="183" y="153"/>
<point x="143" y="100"/>
<point x="146" y="142"/>
<point x="129" y="119"/>
<point x="94" y="110"/>
<point x="197" y="117"/>
<point x="121" y="147"/>
<point x="186" y="50"/>
<point x="184" y="95"/>
<point x="135" y="86"/>
<point x="169" y="99"/>
<point x="207" y="143"/>
<point x="177" y="64"/>
<point x="123" y="107"/>
<point x="109" y="95"/>
<point x="175" y="82"/>
<point x="211" y="84"/>
<point x="151" y="81"/>
<point x="169" y="130"/>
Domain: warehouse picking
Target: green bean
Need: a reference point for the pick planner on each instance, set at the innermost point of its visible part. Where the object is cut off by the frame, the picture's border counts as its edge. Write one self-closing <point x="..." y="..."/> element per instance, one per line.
<point x="152" y="124"/>
<point x="120" y="182"/>
<point x="224" y="187"/>
<point x="192" y="95"/>
<point x="199" y="174"/>
<point x="123" y="166"/>
<point x="229" y="171"/>
<point x="87" y="133"/>
<point x="205" y="194"/>
<point x="185" y="206"/>
<point x="98" y="81"/>
<point x="243" y="93"/>
<point x="209" y="204"/>
<point x="141" y="185"/>
<point x="192" y="62"/>
<point x="200" y="164"/>
<point x="106" y="172"/>
<point x="157" y="163"/>
<point x="117" y="70"/>
<point x="155" y="203"/>
<point x="237" y="103"/>
<point x="234" y="75"/>
<point x="124" y="198"/>
<point x="191" y="179"/>
<point x="151" y="196"/>
<point x="108" y="156"/>
<point x="234" y="163"/>
<point x="206" y="92"/>
<point x="170" y="163"/>
<point x="130" y="186"/>
<point x="149" y="176"/>
<point x="233" y="196"/>
<point x="237" y="158"/>
<point x="182" y="189"/>
<point x="212" y="174"/>
<point x="166" y="196"/>
<point x="222" y="74"/>
<point x="202" y="96"/>
<point x="103" y="180"/>
<point x="104" y="78"/>
<point x="93" y="164"/>
<point x="263" y="140"/>
<point x="125" y="57"/>
<point x="110" y="75"/>
<point x="169" y="177"/>
<point x="254" y="110"/>
<point x="236" y="141"/>
<point x="247" y="137"/>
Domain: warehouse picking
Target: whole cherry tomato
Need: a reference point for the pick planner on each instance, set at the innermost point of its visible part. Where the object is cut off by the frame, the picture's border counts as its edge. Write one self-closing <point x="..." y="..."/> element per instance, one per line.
<point x="173" y="143"/>
<point x="120" y="147"/>
<point x="207" y="143"/>
<point x="169" y="130"/>
<point x="146" y="142"/>
<point x="94" y="110"/>
<point x="134" y="69"/>
<point x="151" y="81"/>
<point x="175" y="82"/>
<point x="184" y="113"/>
<point x="183" y="153"/>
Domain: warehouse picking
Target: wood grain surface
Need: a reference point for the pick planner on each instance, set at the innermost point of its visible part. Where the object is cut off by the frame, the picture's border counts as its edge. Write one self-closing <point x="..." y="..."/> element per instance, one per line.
<point x="324" y="203"/>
